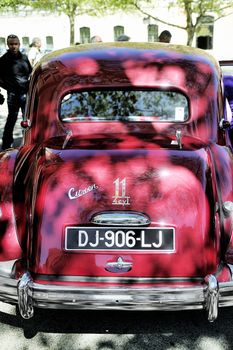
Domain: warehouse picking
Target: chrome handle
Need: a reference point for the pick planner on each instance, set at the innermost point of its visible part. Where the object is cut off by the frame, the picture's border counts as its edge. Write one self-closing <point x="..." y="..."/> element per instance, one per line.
<point x="120" y="218"/>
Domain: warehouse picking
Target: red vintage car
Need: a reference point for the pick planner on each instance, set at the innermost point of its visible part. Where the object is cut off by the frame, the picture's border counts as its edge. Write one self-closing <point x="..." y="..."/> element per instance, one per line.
<point x="121" y="194"/>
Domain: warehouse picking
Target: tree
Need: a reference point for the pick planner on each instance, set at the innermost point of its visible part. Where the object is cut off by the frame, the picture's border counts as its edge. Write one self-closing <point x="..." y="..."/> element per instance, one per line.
<point x="194" y="10"/>
<point x="73" y="8"/>
<point x="11" y="4"/>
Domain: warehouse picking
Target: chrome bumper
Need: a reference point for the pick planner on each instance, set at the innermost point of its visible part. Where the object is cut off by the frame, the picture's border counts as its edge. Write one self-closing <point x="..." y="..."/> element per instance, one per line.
<point x="29" y="294"/>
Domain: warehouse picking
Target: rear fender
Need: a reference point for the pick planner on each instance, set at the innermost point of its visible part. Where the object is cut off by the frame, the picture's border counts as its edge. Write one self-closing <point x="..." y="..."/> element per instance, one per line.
<point x="9" y="245"/>
<point x="224" y="208"/>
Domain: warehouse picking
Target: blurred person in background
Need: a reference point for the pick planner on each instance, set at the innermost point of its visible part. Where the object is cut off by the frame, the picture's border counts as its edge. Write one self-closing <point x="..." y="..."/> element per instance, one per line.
<point x="123" y="37"/>
<point x="96" y="39"/>
<point x="15" y="70"/>
<point x="165" y="36"/>
<point x="35" y="53"/>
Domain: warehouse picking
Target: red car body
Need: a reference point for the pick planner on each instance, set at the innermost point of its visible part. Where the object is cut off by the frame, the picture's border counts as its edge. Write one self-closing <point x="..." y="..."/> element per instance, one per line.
<point x="108" y="204"/>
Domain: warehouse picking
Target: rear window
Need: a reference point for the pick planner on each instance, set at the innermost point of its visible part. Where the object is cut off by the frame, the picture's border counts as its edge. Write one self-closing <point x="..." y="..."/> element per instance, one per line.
<point x="227" y="68"/>
<point x="137" y="105"/>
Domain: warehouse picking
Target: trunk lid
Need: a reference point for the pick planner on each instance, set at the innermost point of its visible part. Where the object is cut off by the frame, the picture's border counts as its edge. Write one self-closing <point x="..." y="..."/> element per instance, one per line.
<point x="80" y="186"/>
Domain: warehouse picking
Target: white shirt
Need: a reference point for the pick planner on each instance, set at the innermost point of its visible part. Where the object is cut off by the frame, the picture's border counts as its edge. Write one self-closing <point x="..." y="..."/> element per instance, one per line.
<point x="34" y="55"/>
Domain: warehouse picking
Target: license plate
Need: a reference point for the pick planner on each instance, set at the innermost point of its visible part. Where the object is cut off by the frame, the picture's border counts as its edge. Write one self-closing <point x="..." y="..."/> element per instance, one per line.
<point x="127" y="238"/>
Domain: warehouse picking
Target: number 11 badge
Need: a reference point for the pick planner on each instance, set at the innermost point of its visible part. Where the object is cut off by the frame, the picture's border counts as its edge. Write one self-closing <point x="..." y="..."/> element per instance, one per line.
<point x="120" y="197"/>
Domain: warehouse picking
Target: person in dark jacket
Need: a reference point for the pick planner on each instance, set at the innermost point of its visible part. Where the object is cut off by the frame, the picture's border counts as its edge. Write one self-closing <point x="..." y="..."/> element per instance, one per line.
<point x="15" y="70"/>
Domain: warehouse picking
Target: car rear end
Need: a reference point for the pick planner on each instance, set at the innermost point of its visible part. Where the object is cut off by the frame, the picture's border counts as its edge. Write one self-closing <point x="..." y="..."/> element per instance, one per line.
<point x="124" y="208"/>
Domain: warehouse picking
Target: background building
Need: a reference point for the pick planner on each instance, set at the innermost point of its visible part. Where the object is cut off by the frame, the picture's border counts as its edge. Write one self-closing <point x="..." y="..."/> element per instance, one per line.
<point x="53" y="29"/>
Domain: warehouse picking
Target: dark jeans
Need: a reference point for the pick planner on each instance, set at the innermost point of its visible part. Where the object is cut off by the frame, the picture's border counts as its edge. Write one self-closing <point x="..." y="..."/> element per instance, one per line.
<point x="15" y="102"/>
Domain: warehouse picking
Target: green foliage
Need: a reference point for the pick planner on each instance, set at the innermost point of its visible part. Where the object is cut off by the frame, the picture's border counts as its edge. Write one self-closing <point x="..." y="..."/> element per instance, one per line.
<point x="73" y="8"/>
<point x="203" y="6"/>
<point x="11" y="4"/>
<point x="79" y="7"/>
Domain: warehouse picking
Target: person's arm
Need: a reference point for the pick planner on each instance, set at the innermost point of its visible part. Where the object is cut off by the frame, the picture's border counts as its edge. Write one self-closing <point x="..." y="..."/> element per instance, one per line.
<point x="29" y="66"/>
<point x="32" y="56"/>
<point x="1" y="70"/>
<point x="2" y="98"/>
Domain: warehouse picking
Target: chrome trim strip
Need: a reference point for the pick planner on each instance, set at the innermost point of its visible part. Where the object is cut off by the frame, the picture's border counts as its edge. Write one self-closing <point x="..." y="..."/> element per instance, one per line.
<point x="120" y="218"/>
<point x="117" y="298"/>
<point x="179" y="138"/>
<point x="68" y="136"/>
<point x="123" y="280"/>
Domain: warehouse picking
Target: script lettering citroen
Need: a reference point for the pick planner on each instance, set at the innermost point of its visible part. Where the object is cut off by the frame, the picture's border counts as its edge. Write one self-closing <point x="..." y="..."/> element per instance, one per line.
<point x="76" y="193"/>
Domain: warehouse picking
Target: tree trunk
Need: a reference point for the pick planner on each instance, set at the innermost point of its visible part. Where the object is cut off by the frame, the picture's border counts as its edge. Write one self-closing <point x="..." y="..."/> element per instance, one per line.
<point x="190" y="32"/>
<point x="72" y="20"/>
<point x="189" y="22"/>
